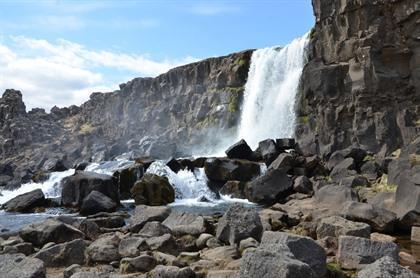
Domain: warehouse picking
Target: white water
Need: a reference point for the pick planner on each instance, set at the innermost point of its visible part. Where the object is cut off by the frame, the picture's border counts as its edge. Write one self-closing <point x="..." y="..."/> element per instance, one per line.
<point x="269" y="102"/>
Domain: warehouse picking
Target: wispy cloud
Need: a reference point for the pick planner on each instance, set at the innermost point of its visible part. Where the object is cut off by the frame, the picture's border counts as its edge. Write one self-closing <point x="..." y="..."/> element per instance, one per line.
<point x="64" y="73"/>
<point x="213" y="8"/>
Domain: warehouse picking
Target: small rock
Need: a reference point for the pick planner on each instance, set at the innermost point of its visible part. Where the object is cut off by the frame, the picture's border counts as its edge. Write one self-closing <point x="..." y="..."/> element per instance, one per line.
<point x="336" y="226"/>
<point x="154" y="229"/>
<point x="132" y="246"/>
<point x="69" y="271"/>
<point x="248" y="243"/>
<point x="382" y="237"/>
<point x="63" y="254"/>
<point x="104" y="249"/>
<point x="143" y="214"/>
<point x="385" y="267"/>
<point x="162" y="271"/>
<point x="415" y="234"/>
<point x="97" y="202"/>
<point x="202" y="240"/>
<point x="182" y="223"/>
<point x="26" y="202"/>
<point x="165" y="244"/>
<point x="187" y="258"/>
<point x="143" y="263"/>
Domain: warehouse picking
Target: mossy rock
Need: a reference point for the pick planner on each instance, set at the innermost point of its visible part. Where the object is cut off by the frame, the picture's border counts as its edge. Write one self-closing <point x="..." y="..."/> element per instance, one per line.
<point x="153" y="190"/>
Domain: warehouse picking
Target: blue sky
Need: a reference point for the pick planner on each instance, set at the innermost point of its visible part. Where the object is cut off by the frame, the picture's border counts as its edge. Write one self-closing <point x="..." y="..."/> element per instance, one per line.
<point x="58" y="52"/>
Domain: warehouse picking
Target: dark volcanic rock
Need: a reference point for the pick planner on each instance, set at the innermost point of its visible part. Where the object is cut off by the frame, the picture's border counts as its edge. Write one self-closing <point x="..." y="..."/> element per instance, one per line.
<point x="26" y="202"/>
<point x="143" y="214"/>
<point x="224" y="169"/>
<point x="153" y="190"/>
<point x="77" y="187"/>
<point x="128" y="177"/>
<point x="240" y="150"/>
<point x="97" y="202"/>
<point x="63" y="254"/>
<point x="268" y="151"/>
<point x="235" y="189"/>
<point x="269" y="188"/>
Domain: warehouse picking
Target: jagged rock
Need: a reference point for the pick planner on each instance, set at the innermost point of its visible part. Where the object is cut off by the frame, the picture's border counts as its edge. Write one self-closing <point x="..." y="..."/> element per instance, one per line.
<point x="343" y="169"/>
<point x="173" y="164"/>
<point x="371" y="170"/>
<point x="128" y="177"/>
<point x="385" y="267"/>
<point x="248" y="243"/>
<point x="182" y="223"/>
<point x="25" y="248"/>
<point x="302" y="184"/>
<point x="334" y="196"/>
<point x="154" y="229"/>
<point x="235" y="189"/>
<point x="240" y="150"/>
<point x="381" y="220"/>
<point x="103" y="250"/>
<point x="164" y="244"/>
<point x="17" y="265"/>
<point x="284" y="162"/>
<point x="238" y="223"/>
<point x="162" y="271"/>
<point x="143" y="263"/>
<point x="224" y="254"/>
<point x="284" y="144"/>
<point x="269" y="188"/>
<point x="224" y="169"/>
<point x="267" y="149"/>
<point x="49" y="230"/>
<point x="69" y="271"/>
<point x="55" y="165"/>
<point x="153" y="190"/>
<point x="143" y="214"/>
<point x="354" y="252"/>
<point x="26" y="202"/>
<point x="63" y="254"/>
<point x="97" y="202"/>
<point x="78" y="186"/>
<point x="132" y="246"/>
<point x="335" y="226"/>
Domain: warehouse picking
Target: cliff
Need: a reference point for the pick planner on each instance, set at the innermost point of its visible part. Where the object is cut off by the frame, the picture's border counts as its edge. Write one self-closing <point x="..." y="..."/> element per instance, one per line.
<point x="361" y="85"/>
<point x="161" y="117"/>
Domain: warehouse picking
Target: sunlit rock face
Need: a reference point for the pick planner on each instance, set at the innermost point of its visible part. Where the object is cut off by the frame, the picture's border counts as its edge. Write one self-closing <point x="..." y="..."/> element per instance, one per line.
<point x="161" y="117"/>
<point x="362" y="84"/>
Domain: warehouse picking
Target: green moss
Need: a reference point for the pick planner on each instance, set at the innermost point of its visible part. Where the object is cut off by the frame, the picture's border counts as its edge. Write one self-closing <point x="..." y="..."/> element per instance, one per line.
<point x="304" y="120"/>
<point x="240" y="62"/>
<point x="312" y="34"/>
<point x="369" y="158"/>
<point x="381" y="185"/>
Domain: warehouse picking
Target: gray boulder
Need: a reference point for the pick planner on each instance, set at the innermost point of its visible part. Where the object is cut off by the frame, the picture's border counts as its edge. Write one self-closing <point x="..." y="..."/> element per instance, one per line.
<point x="162" y="271"/>
<point x="63" y="254"/>
<point x="335" y="226"/>
<point x="302" y="184"/>
<point x="26" y="202"/>
<point x="19" y="266"/>
<point x="385" y="267"/>
<point x="334" y="196"/>
<point x="284" y="162"/>
<point x="183" y="223"/>
<point x="225" y="169"/>
<point x="143" y="263"/>
<point x="143" y="214"/>
<point x="164" y="244"/>
<point x="354" y="252"/>
<point x="153" y="190"/>
<point x="132" y="246"/>
<point x="103" y="250"/>
<point x="343" y="169"/>
<point x="154" y="229"/>
<point x="238" y="223"/>
<point x="49" y="230"/>
<point x="240" y="150"/>
<point x="268" y="151"/>
<point x="269" y="188"/>
<point x="97" y="202"/>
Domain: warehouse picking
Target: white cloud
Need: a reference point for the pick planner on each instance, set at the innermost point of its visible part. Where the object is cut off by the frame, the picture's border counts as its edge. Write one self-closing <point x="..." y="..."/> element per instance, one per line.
<point x="212" y="8"/>
<point x="65" y="73"/>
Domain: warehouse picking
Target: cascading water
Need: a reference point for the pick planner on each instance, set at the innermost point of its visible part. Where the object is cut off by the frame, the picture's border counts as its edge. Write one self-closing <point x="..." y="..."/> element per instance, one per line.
<point x="269" y="100"/>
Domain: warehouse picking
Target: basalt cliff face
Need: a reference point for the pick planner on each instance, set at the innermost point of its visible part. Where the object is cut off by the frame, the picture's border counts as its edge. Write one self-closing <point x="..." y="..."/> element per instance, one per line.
<point x="161" y="117"/>
<point x="361" y="85"/>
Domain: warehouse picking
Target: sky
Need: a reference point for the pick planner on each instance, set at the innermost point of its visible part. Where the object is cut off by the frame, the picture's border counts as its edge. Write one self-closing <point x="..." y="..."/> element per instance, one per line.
<point x="57" y="52"/>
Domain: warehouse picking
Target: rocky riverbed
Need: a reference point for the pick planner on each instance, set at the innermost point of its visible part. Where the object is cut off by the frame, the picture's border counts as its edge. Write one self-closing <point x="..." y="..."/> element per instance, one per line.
<point x="309" y="218"/>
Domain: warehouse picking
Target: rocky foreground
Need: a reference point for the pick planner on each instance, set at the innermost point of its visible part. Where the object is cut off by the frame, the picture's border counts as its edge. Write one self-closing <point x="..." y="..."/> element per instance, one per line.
<point x="335" y="218"/>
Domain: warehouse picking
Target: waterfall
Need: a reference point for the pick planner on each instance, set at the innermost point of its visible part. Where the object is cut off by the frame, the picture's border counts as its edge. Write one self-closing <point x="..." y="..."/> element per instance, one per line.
<point x="268" y="109"/>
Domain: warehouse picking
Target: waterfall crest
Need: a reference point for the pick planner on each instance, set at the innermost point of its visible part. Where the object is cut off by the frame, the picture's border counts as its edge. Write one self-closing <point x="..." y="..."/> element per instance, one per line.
<point x="268" y="109"/>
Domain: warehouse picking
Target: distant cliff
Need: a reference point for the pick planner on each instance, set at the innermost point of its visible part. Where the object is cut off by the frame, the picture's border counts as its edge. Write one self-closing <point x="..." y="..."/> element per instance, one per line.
<point x="161" y="116"/>
<point x="362" y="83"/>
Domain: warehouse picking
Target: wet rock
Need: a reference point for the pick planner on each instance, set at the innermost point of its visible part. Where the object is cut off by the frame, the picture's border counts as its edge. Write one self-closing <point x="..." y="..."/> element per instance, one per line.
<point x="103" y="250"/>
<point x="153" y="190"/>
<point x="162" y="271"/>
<point x="183" y="223"/>
<point x="240" y="150"/>
<point x="55" y="165"/>
<point x="235" y="189"/>
<point x="143" y="263"/>
<point x="97" y="202"/>
<point x="77" y="187"/>
<point x="385" y="267"/>
<point x="132" y="246"/>
<point x="354" y="252"/>
<point x="269" y="188"/>
<point x="284" y="144"/>
<point x="173" y="164"/>
<point x="26" y="202"/>
<point x="284" y="162"/>
<point x="381" y="220"/>
<point x="224" y="169"/>
<point x="17" y="265"/>
<point x="335" y="226"/>
<point x="267" y="149"/>
<point x="238" y="223"/>
<point x="143" y="214"/>
<point x="63" y="254"/>
<point x="128" y="177"/>
<point x="49" y="230"/>
<point x="154" y="229"/>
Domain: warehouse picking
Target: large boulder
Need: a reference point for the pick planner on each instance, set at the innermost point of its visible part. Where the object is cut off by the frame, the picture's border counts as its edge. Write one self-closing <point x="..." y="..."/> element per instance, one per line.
<point x="26" y="202"/>
<point x="49" y="230"/>
<point x="143" y="214"/>
<point x="333" y="196"/>
<point x="224" y="169"/>
<point x="269" y="188"/>
<point x="268" y="151"/>
<point x="132" y="246"/>
<point x="165" y="244"/>
<point x="285" y="162"/>
<point x="238" y="223"/>
<point x="97" y="202"/>
<point x="380" y="219"/>
<point x="19" y="266"/>
<point x="153" y="190"/>
<point x="63" y="254"/>
<point x="183" y="223"/>
<point x="355" y="252"/>
<point x="335" y="226"/>
<point x="162" y="271"/>
<point x="240" y="150"/>
<point x="235" y="189"/>
<point x="128" y="177"/>
<point x="104" y="249"/>
<point x="385" y="267"/>
<point x="343" y="169"/>
<point x="78" y="186"/>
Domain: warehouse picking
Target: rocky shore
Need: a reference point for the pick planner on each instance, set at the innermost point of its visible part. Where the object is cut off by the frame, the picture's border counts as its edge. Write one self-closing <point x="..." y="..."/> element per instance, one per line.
<point x="315" y="218"/>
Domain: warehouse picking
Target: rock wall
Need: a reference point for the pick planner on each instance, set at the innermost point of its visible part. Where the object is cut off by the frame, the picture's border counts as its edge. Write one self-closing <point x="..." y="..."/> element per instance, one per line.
<point x="361" y="85"/>
<point x="161" y="117"/>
